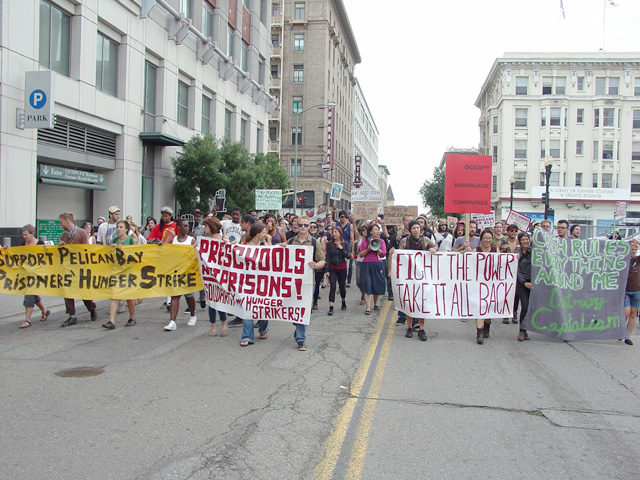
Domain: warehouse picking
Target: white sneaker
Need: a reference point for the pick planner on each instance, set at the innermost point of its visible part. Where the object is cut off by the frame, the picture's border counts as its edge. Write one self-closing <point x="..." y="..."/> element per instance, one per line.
<point x="121" y="304"/>
<point x="192" y="321"/>
<point x="171" y="327"/>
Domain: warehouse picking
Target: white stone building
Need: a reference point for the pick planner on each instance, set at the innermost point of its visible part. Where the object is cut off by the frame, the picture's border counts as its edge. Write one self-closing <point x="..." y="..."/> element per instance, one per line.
<point x="133" y="81"/>
<point x="581" y="109"/>
<point x="365" y="140"/>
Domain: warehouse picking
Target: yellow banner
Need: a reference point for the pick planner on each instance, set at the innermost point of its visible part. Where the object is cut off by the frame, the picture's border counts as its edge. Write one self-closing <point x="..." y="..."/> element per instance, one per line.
<point x="92" y="272"/>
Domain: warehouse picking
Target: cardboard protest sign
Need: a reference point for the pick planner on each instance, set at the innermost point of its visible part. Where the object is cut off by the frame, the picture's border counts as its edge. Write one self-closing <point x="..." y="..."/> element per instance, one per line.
<point x="221" y="200"/>
<point x="258" y="282"/>
<point x="268" y="199"/>
<point x="484" y="220"/>
<point x="393" y="214"/>
<point x="95" y="271"/>
<point x="360" y="195"/>
<point x="467" y="183"/>
<point x="521" y="220"/>
<point x="454" y="285"/>
<point x="578" y="288"/>
<point x="365" y="210"/>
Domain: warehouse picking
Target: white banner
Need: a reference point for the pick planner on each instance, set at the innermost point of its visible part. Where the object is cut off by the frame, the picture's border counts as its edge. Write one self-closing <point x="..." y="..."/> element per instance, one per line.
<point x="520" y="219"/>
<point x="454" y="285"/>
<point x="257" y="282"/>
<point x="484" y="220"/>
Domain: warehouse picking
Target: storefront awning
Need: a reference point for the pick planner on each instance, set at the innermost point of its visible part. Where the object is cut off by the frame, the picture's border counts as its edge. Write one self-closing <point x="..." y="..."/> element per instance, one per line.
<point x="65" y="183"/>
<point x="162" y="139"/>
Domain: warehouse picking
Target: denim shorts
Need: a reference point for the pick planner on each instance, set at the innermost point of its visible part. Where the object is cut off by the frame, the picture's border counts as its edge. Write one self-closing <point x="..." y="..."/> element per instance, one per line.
<point x="632" y="299"/>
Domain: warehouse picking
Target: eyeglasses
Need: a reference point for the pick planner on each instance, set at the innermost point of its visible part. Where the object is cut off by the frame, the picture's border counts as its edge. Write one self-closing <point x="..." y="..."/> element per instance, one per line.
<point x="343" y="216"/>
<point x="303" y="225"/>
<point x="313" y="226"/>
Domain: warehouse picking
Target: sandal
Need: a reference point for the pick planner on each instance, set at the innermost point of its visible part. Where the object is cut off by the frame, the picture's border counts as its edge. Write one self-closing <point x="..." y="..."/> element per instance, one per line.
<point x="375" y="308"/>
<point x="44" y="316"/>
<point x="244" y="343"/>
<point x="367" y="312"/>
<point x="263" y="336"/>
<point x="25" y="324"/>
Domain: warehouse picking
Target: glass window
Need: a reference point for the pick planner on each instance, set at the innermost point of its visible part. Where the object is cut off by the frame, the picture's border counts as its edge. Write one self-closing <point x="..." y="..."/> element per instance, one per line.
<point x="495" y="154"/>
<point x="150" y="98"/>
<point x="275" y="10"/>
<point x="227" y="123"/>
<point x="297" y="104"/>
<point x="148" y="170"/>
<point x="299" y="11"/>
<point x="580" y="115"/>
<point x="521" y="180"/>
<point x="554" y="118"/>
<point x="244" y="56"/>
<point x="296" y="135"/>
<point x="273" y="134"/>
<point x="607" y="149"/>
<point x="543" y="149"/>
<point x="55" y="34"/>
<point x="293" y="168"/>
<point x="183" y="103"/>
<point x="298" y="42"/>
<point x="245" y="3"/>
<point x="600" y="85"/>
<point x="185" y="7"/>
<point x="298" y="73"/>
<point x="596" y="117"/>
<point x="494" y="184"/>
<point x="607" y="180"/>
<point x="636" y="87"/>
<point x="613" y="90"/>
<point x="243" y="132"/>
<point x="580" y="84"/>
<point x="106" y="65"/>
<point x="547" y="85"/>
<point x="579" y="147"/>
<point x="520" y="149"/>
<point x="275" y="39"/>
<point x="635" y="183"/>
<point x="229" y="41"/>
<point x="594" y="180"/>
<point x="596" y="149"/>
<point x="561" y="84"/>
<point x="543" y="116"/>
<point x="205" y="124"/>
<point x="495" y="124"/>
<point x="636" y="119"/>
<point x="207" y="19"/>
<point x="522" y="85"/>
<point x="607" y="117"/>
<point x="635" y="151"/>
<point x="521" y="117"/>
<point x="554" y="148"/>
<point x="274" y="70"/>
<point x="578" y="179"/>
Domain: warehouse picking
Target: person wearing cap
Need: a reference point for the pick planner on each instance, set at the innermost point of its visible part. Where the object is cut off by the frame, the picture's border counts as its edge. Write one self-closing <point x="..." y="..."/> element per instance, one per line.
<point x="107" y="230"/>
<point x="443" y="239"/>
<point x="575" y="231"/>
<point x="166" y="229"/>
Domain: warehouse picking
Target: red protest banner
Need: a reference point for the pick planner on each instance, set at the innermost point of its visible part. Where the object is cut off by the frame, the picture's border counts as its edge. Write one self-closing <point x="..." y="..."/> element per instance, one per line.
<point x="467" y="183"/>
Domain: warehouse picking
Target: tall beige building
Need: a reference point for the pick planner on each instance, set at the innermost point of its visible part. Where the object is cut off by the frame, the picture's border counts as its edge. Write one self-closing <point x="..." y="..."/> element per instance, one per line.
<point x="313" y="56"/>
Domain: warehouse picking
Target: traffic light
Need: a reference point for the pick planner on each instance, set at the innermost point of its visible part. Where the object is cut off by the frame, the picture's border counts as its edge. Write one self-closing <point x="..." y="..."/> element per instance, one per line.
<point x="301" y="201"/>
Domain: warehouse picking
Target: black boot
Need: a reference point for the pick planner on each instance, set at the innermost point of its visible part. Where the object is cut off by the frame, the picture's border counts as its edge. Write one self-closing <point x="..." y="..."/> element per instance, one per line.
<point x="480" y="336"/>
<point x="344" y="305"/>
<point x="486" y="328"/>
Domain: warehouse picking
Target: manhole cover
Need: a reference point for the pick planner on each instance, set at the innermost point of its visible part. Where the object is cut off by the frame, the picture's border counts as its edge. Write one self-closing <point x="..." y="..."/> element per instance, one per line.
<point x="80" y="372"/>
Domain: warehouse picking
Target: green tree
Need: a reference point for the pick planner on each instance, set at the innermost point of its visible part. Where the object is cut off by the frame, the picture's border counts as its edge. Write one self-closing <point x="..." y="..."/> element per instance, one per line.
<point x="432" y="192"/>
<point x="207" y="165"/>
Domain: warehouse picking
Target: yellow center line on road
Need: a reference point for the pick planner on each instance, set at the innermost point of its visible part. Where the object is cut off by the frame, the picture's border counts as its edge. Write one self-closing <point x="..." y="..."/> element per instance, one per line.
<point x="359" y="452"/>
<point x="333" y="446"/>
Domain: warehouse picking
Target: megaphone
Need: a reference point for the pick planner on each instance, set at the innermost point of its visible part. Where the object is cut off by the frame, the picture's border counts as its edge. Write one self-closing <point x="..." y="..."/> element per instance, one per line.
<point x="374" y="244"/>
<point x="451" y="226"/>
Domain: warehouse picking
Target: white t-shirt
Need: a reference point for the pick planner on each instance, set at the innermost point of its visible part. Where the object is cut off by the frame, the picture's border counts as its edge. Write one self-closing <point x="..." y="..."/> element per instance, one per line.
<point x="106" y="232"/>
<point x="231" y="230"/>
<point x="444" y="241"/>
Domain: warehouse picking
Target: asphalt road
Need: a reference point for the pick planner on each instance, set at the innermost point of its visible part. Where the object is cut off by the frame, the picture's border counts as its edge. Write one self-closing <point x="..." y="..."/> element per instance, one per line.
<point x="362" y="402"/>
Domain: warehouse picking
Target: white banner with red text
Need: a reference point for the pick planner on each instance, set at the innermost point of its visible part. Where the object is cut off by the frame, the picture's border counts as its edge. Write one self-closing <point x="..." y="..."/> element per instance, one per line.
<point x="257" y="282"/>
<point x="454" y="285"/>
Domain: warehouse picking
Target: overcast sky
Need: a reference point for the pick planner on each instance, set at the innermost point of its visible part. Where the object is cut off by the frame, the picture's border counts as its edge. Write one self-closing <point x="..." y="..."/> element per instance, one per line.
<point x="424" y="62"/>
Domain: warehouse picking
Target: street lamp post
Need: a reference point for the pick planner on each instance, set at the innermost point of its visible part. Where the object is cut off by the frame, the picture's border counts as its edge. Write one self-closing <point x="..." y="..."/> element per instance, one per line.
<point x="512" y="182"/>
<point x="295" y="154"/>
<point x="548" y="163"/>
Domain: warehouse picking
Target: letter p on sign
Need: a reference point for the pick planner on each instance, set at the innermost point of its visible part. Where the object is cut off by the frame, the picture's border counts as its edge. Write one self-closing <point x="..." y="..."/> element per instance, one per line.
<point x="37" y="99"/>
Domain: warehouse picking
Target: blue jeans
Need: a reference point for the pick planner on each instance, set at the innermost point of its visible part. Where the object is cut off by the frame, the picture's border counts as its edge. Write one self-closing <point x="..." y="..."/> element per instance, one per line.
<point x="247" y="329"/>
<point x="212" y="315"/>
<point x="301" y="332"/>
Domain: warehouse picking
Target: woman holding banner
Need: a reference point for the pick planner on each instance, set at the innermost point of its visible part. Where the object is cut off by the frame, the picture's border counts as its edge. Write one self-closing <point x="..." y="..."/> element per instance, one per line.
<point x="257" y="236"/>
<point x="338" y="253"/>
<point x="30" y="301"/>
<point x="523" y="285"/>
<point x="417" y="241"/>
<point x="483" y="326"/>
<point x="121" y="237"/>
<point x="372" y="251"/>
<point x="632" y="293"/>
<point x="213" y="229"/>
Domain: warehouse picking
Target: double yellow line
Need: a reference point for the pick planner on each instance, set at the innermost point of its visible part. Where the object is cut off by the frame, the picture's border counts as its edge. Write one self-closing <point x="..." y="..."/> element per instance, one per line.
<point x="333" y="447"/>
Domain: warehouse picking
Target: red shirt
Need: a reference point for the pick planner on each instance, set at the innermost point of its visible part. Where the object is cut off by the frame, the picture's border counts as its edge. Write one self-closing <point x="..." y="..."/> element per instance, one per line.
<point x="166" y="234"/>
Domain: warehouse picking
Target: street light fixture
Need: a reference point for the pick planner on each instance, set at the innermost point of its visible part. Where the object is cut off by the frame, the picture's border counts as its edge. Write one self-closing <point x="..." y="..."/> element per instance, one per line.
<point x="295" y="154"/>
<point x="548" y="163"/>
<point x="512" y="182"/>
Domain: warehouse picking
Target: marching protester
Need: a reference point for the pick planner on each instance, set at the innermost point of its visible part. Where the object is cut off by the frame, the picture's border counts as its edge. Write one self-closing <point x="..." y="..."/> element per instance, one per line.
<point x="183" y="238"/>
<point x="498" y="234"/>
<point x="277" y="233"/>
<point x="363" y="233"/>
<point x="417" y="241"/>
<point x="146" y="229"/>
<point x="443" y="239"/>
<point x="121" y="237"/>
<point x="463" y="245"/>
<point x="293" y="227"/>
<point x="349" y="237"/>
<point x="107" y="230"/>
<point x="575" y="231"/>
<point x="89" y="229"/>
<point x="523" y="284"/>
<point x="318" y="262"/>
<point x="72" y="235"/>
<point x="231" y="229"/>
<point x="632" y="292"/>
<point x="30" y="301"/>
<point x="372" y="269"/>
<point x="338" y="254"/>
<point x="563" y="228"/>
<point x="165" y="230"/>
<point x="459" y="231"/>
<point x="213" y="229"/>
<point x="511" y="245"/>
<point x="546" y="225"/>
<point x="318" y="274"/>
<point x="257" y="236"/>
<point x="394" y="241"/>
<point x="483" y="326"/>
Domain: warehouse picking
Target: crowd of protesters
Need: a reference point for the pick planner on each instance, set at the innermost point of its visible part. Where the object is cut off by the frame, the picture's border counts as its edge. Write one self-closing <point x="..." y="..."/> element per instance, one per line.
<point x="340" y="244"/>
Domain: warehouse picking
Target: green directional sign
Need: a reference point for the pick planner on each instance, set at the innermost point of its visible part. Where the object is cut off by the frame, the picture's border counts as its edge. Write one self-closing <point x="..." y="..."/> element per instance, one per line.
<point x="71" y="175"/>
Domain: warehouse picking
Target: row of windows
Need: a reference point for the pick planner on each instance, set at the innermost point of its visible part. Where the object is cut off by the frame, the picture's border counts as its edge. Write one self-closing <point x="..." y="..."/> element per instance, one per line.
<point x="298" y="41"/>
<point x="299" y="10"/>
<point x="558" y="85"/>
<point x="606" y="180"/>
<point x="555" y="147"/>
<point x="604" y="117"/>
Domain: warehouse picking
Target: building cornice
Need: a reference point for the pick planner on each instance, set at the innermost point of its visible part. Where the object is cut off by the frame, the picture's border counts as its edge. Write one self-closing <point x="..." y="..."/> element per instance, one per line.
<point x="346" y="27"/>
